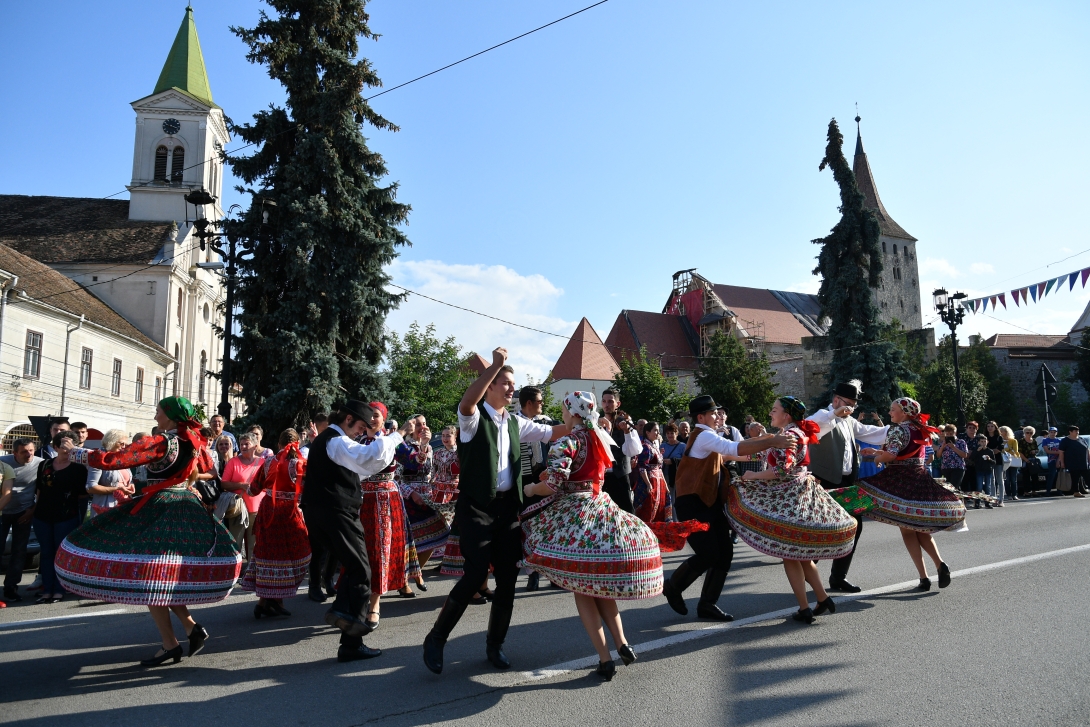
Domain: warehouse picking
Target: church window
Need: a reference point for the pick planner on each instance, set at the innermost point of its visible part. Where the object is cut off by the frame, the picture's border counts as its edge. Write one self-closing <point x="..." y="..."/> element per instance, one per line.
<point x="906" y="250"/>
<point x="207" y="313"/>
<point x="894" y="248"/>
<point x="161" y="164"/>
<point x="204" y="376"/>
<point x="180" y="299"/>
<point x="177" y="165"/>
<point x="884" y="246"/>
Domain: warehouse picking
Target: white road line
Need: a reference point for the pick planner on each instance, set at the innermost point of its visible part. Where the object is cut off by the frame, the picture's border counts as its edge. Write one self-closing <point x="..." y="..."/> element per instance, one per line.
<point x="52" y="619"/>
<point x="713" y="629"/>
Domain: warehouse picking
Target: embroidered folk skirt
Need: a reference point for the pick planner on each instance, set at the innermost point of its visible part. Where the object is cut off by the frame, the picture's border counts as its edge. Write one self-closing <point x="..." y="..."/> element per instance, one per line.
<point x="653" y="503"/>
<point x="390" y="547"/>
<point x="795" y="519"/>
<point x="907" y="496"/>
<point x="429" y="528"/>
<point x="281" y="550"/>
<point x="583" y="542"/>
<point x="170" y="553"/>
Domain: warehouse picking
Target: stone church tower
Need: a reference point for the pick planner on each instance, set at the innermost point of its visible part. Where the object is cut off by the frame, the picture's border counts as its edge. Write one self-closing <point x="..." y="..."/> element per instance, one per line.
<point x="898" y="294"/>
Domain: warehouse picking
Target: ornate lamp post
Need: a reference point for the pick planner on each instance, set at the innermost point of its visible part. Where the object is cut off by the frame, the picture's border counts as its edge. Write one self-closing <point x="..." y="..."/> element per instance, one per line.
<point x="952" y="314"/>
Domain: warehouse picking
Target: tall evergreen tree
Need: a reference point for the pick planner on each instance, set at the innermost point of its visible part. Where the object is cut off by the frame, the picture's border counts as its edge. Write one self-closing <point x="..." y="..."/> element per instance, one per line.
<point x="313" y="296"/>
<point x="741" y="384"/>
<point x="850" y="266"/>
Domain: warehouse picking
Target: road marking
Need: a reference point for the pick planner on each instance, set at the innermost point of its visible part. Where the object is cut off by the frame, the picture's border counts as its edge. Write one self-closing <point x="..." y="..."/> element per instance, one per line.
<point x="713" y="629"/>
<point x="52" y="619"/>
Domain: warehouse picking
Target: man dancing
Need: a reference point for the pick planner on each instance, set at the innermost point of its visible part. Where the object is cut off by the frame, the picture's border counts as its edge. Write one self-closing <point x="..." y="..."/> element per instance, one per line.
<point x="331" y="508"/>
<point x="489" y="501"/>
<point x="834" y="460"/>
<point x="697" y="498"/>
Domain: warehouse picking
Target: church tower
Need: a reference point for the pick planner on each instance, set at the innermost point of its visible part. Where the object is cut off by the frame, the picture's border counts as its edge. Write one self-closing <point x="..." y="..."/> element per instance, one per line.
<point x="179" y="134"/>
<point x="898" y="293"/>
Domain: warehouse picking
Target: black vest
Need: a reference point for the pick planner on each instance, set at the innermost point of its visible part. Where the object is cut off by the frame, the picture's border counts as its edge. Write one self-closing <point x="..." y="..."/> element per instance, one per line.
<point x="478" y="460"/>
<point x="622" y="463"/>
<point x="328" y="484"/>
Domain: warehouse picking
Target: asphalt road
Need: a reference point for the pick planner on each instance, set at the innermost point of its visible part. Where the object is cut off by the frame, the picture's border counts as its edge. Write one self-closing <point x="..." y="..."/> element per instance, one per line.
<point x="1005" y="644"/>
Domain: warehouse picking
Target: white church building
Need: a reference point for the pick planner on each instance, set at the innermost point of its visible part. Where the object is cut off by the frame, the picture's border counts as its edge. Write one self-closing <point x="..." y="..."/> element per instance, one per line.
<point x="138" y="257"/>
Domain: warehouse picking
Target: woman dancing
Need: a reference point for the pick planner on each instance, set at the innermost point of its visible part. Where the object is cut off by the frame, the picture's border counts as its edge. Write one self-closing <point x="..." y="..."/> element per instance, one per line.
<point x="907" y="496"/>
<point x="785" y="513"/>
<point x="134" y="553"/>
<point x="651" y="498"/>
<point x="579" y="539"/>
<point x="281" y="555"/>
<point x="429" y="528"/>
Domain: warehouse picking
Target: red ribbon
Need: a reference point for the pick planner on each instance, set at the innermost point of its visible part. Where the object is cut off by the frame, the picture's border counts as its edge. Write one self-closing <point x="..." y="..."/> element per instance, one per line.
<point x="190" y="432"/>
<point x="810" y="431"/>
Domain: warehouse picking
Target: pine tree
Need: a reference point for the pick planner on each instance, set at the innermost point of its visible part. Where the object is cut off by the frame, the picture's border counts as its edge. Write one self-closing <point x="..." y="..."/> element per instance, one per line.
<point x="741" y="384"/>
<point x="313" y="295"/>
<point x="850" y="266"/>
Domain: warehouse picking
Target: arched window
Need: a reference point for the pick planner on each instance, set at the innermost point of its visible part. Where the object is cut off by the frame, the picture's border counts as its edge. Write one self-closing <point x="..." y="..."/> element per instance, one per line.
<point x="906" y="250"/>
<point x="177" y="165"/>
<point x="161" y="164"/>
<point x="200" y="383"/>
<point x="884" y="246"/>
<point x="20" y="431"/>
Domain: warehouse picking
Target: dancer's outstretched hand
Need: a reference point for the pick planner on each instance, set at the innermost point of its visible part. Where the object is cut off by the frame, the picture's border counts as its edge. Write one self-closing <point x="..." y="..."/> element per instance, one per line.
<point x="499" y="357"/>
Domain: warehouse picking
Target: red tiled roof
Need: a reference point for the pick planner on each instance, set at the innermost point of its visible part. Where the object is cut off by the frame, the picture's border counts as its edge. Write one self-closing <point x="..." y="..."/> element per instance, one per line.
<point x="584" y="357"/>
<point x="1019" y="340"/>
<point x="757" y="305"/>
<point x="477" y="362"/>
<point x="663" y="335"/>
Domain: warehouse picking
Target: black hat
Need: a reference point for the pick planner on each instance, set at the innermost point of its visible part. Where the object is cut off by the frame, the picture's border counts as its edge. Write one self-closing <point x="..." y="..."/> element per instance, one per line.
<point x="850" y="390"/>
<point x="701" y="405"/>
<point x="357" y="408"/>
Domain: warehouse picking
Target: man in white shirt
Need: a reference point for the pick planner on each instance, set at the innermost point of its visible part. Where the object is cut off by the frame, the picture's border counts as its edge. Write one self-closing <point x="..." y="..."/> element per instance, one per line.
<point x="489" y="499"/>
<point x="834" y="460"/>
<point x="331" y="507"/>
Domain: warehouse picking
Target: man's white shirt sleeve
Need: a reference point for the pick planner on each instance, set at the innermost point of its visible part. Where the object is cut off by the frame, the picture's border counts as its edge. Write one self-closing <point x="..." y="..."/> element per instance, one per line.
<point x="868" y="432"/>
<point x="363" y="459"/>
<point x="714" y="444"/>
<point x="529" y="430"/>
<point x="631" y="445"/>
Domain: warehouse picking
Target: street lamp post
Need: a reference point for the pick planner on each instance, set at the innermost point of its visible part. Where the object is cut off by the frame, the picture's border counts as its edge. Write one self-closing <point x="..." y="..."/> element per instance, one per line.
<point x="952" y="314"/>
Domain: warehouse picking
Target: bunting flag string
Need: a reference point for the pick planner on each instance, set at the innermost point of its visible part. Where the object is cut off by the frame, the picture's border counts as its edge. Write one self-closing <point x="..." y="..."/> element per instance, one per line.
<point x="1022" y="296"/>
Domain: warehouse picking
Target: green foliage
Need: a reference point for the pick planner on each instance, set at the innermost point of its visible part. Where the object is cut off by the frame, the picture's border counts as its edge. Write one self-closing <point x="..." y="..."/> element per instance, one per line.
<point x="313" y="295"/>
<point x="428" y="376"/>
<point x="850" y="266"/>
<point x="1002" y="406"/>
<point x="938" y="395"/>
<point x="735" y="380"/>
<point x="645" y="392"/>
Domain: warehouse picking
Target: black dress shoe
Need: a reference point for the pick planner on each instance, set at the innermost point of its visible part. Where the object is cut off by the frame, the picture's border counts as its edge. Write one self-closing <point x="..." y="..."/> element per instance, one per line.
<point x="533" y="580"/>
<point x="675" y="599"/>
<point x="279" y="609"/>
<point x="164" y="655"/>
<point x="347" y="653"/>
<point x="626" y="653"/>
<point x="827" y="605"/>
<point x="925" y="584"/>
<point x="804" y="615"/>
<point x="497" y="657"/>
<point x="317" y="595"/>
<point x="348" y="624"/>
<point x="944" y="575"/>
<point x="606" y="670"/>
<point x="12" y="596"/>
<point x="844" y="586"/>
<point x="197" y="637"/>
<point x="712" y="612"/>
<point x="421" y="585"/>
<point x="433" y="653"/>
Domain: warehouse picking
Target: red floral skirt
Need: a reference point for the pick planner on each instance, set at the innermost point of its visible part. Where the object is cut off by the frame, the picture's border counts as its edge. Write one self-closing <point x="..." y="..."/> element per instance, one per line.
<point x="390" y="548"/>
<point x="653" y="503"/>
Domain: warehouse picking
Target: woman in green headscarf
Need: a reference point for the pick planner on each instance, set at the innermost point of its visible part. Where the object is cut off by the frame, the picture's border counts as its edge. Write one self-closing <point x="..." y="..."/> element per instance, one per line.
<point x="162" y="549"/>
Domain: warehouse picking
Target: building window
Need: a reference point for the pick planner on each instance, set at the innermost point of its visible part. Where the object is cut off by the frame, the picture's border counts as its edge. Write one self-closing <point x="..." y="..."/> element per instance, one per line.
<point x="85" y="368"/>
<point x="161" y="164"/>
<point x="181" y="297"/>
<point x="906" y="250"/>
<point x="207" y="313"/>
<point x="115" y="383"/>
<point x="32" y="355"/>
<point x="139" y="385"/>
<point x="884" y="246"/>
<point x="177" y="165"/>
<point x="177" y="365"/>
<point x="204" y="377"/>
<point x="158" y="389"/>
<point x="894" y="248"/>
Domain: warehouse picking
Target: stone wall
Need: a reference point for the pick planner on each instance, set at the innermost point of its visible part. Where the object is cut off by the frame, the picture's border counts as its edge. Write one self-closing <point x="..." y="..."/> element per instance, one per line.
<point x="790" y="377"/>
<point x="1023" y="366"/>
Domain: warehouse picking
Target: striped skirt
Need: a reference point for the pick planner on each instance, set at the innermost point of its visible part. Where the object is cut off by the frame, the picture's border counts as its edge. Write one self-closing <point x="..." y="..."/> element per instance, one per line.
<point x="907" y="496"/>
<point x="583" y="542"/>
<point x="390" y="547"/>
<point x="281" y="548"/>
<point x="171" y="553"/>
<point x="795" y="519"/>
<point x="653" y="503"/>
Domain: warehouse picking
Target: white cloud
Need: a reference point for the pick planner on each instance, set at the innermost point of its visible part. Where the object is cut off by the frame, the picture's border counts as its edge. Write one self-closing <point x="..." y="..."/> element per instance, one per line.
<point x="495" y="290"/>
<point x="981" y="268"/>
<point x="810" y="286"/>
<point x="938" y="266"/>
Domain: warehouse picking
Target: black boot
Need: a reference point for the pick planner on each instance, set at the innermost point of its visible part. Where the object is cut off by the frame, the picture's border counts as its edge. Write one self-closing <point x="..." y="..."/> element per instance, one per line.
<point x="674" y="589"/>
<point x="499" y="619"/>
<point x="437" y="637"/>
<point x="709" y="595"/>
<point x="533" y="580"/>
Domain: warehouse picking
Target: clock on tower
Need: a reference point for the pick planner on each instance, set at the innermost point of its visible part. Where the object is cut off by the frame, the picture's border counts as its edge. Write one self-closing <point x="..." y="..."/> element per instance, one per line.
<point x="171" y="126"/>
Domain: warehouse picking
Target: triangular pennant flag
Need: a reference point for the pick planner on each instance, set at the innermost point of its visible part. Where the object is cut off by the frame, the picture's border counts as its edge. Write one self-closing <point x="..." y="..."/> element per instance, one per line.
<point x="1073" y="277"/>
<point x="1014" y="296"/>
<point x="1024" y="292"/>
<point x="1041" y="290"/>
<point x="1060" y="282"/>
<point x="993" y="302"/>
<point x="1048" y="286"/>
<point x="1085" y="274"/>
<point x="1033" y="292"/>
<point x="1003" y="300"/>
<point x="984" y="304"/>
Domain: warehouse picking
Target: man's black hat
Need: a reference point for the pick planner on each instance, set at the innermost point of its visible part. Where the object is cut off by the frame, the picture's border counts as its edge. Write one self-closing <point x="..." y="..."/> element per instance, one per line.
<point x="357" y="408"/>
<point x="701" y="405"/>
<point x="850" y="390"/>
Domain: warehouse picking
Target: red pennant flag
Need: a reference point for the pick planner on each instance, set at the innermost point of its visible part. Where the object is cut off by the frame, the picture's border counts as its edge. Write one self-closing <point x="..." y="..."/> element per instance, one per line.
<point x="993" y="302"/>
<point x="1040" y="290"/>
<point x="1014" y="296"/>
<point x="1003" y="300"/>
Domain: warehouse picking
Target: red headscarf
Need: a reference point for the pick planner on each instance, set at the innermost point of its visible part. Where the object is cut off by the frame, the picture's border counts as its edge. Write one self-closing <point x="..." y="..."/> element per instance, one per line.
<point x="379" y="406"/>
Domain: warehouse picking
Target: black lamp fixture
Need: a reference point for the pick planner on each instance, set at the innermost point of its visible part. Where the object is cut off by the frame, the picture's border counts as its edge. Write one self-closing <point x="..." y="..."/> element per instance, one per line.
<point x="952" y="314"/>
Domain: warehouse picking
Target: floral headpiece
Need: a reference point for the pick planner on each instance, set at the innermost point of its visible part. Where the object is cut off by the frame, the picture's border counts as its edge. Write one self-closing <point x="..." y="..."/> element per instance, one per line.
<point x="910" y="407"/>
<point x="582" y="405"/>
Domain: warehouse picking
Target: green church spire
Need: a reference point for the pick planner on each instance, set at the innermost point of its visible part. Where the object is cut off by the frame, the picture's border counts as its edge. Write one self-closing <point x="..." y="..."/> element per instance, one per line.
<point x="184" y="69"/>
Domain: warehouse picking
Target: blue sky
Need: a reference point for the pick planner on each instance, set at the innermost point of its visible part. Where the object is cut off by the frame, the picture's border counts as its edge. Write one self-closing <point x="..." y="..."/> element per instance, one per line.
<point x="570" y="173"/>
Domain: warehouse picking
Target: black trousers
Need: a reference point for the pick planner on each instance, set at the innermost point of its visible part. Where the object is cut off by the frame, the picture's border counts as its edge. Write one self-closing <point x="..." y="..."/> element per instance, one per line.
<point x="20" y="536"/>
<point x="840" y="568"/>
<point x="489" y="536"/>
<point x="339" y="532"/>
<point x="712" y="548"/>
<point x="1079" y="481"/>
<point x="618" y="487"/>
